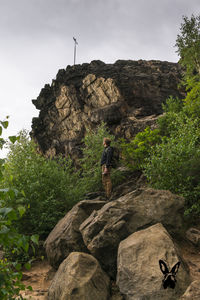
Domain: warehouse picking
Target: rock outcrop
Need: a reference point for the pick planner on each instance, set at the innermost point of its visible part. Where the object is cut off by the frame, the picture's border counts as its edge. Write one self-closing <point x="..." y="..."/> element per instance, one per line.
<point x="139" y="275"/>
<point x="126" y="95"/>
<point x="79" y="277"/>
<point x="104" y="229"/>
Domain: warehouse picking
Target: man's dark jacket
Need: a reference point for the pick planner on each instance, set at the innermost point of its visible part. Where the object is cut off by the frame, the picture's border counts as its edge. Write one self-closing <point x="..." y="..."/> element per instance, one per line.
<point x="106" y="158"/>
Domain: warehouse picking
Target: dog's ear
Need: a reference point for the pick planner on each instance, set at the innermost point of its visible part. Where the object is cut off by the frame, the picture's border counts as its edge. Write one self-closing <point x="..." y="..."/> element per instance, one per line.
<point x="163" y="267"/>
<point x="175" y="268"/>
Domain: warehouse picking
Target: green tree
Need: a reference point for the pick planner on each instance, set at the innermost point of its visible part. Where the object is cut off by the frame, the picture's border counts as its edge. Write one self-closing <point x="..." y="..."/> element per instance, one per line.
<point x="188" y="48"/>
<point x="188" y="45"/>
<point x="174" y="164"/>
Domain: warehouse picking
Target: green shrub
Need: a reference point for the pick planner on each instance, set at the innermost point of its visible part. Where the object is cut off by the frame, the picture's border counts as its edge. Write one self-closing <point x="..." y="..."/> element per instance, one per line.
<point x="138" y="149"/>
<point x="170" y="165"/>
<point x="10" y="239"/>
<point x="175" y="163"/>
<point x="50" y="186"/>
<point x="172" y="104"/>
<point x="172" y="117"/>
<point x="192" y="100"/>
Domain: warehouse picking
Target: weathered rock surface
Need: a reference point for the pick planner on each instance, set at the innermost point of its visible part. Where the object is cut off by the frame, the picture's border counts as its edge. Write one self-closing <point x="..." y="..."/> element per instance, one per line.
<point x="79" y="277"/>
<point x="193" y="235"/>
<point x="139" y="275"/>
<point x="127" y="95"/>
<point x="66" y="237"/>
<point x="103" y="230"/>
<point x="192" y="292"/>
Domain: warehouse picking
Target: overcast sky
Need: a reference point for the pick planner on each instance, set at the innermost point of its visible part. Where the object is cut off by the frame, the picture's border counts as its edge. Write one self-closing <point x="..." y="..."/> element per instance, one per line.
<point x="36" y="40"/>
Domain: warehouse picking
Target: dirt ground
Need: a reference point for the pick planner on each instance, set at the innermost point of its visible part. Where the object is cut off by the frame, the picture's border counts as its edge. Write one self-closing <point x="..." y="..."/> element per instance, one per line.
<point x="39" y="278"/>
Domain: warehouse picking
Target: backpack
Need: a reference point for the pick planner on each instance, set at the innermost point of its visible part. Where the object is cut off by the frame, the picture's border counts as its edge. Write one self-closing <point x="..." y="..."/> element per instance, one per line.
<point x="115" y="157"/>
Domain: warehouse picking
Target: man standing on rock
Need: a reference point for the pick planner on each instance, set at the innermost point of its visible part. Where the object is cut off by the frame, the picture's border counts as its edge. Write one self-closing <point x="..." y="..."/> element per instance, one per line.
<point x="106" y="159"/>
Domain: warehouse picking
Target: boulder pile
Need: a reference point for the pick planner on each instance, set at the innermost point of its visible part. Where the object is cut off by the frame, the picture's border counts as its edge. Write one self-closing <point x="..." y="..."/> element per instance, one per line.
<point x="99" y="243"/>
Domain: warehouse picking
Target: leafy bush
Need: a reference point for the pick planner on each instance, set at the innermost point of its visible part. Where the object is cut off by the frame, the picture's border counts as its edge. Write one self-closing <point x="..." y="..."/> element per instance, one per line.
<point x="175" y="163"/>
<point x="10" y="239"/>
<point x="172" y="117"/>
<point x="50" y="187"/>
<point x="170" y="165"/>
<point x="139" y="148"/>
<point x="192" y="100"/>
<point x="172" y="104"/>
<point x="10" y="281"/>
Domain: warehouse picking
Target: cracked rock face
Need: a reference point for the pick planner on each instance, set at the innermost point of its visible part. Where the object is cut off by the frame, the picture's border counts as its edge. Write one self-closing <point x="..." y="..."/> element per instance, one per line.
<point x="104" y="229"/>
<point x="126" y="95"/>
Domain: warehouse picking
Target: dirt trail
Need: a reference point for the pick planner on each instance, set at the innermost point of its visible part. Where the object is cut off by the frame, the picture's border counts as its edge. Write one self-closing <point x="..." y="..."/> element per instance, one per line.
<point x="39" y="277"/>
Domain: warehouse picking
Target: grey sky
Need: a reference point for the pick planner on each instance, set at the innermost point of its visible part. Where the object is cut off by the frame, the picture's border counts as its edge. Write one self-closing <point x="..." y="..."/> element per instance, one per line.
<point x="36" y="39"/>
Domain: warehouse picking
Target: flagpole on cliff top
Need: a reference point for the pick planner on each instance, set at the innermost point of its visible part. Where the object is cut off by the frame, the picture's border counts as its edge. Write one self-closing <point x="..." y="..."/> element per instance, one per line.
<point x="75" y="43"/>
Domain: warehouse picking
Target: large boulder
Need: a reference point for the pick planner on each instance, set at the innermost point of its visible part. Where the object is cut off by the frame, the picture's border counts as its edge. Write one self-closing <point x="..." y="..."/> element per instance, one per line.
<point x="139" y="275"/>
<point x="103" y="230"/>
<point x="65" y="237"/>
<point x="79" y="277"/>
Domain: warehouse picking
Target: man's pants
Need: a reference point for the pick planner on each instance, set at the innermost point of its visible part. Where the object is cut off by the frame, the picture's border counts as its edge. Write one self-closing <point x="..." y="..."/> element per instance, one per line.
<point x="106" y="181"/>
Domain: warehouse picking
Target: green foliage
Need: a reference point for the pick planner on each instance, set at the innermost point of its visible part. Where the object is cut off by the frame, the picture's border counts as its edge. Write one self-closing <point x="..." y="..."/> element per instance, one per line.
<point x="188" y="45"/>
<point x="172" y="104"/>
<point x="175" y="163"/>
<point x="173" y="116"/>
<point x="10" y="281"/>
<point x="192" y="100"/>
<point x="10" y="239"/>
<point x="138" y="149"/>
<point x="90" y="163"/>
<point x="170" y="165"/>
<point x="50" y="187"/>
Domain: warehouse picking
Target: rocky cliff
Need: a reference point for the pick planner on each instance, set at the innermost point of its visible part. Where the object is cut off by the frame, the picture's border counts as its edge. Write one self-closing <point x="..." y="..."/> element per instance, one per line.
<point x="126" y="95"/>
